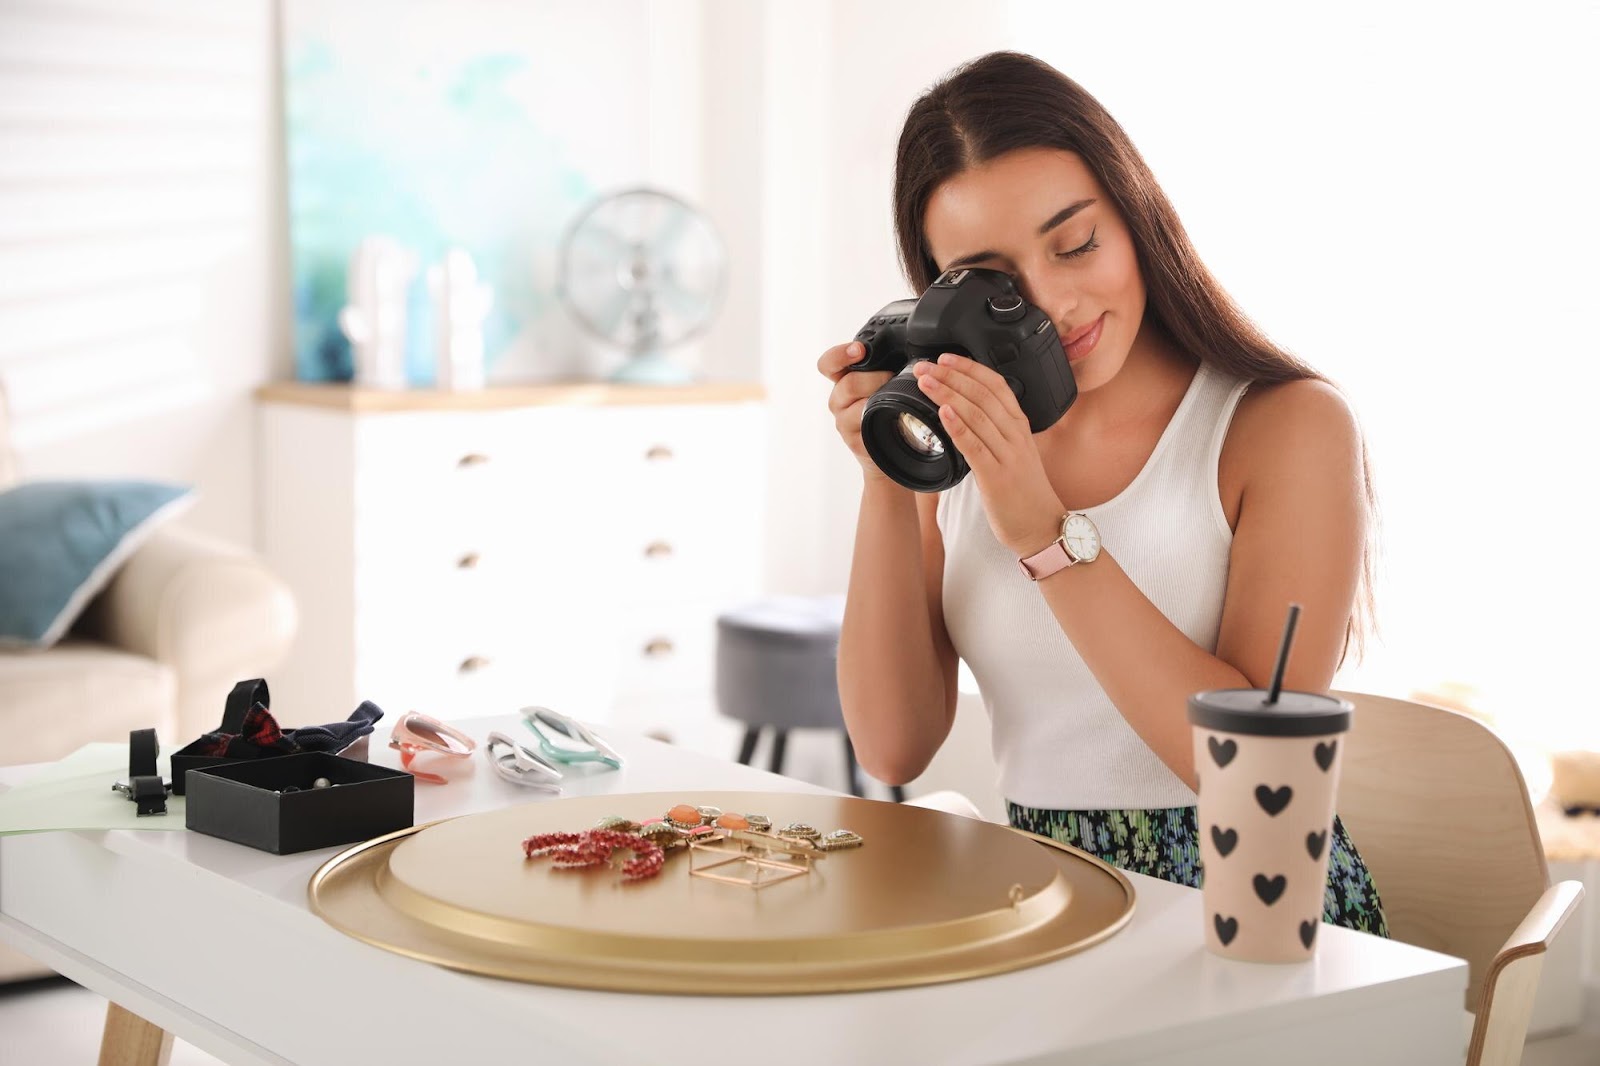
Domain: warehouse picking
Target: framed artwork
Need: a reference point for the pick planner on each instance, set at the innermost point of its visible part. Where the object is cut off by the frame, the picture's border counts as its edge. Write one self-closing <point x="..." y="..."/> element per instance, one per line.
<point x="482" y="126"/>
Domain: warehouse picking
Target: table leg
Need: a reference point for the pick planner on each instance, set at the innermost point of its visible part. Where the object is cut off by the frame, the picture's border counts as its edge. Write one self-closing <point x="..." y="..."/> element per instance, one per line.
<point x="129" y="1040"/>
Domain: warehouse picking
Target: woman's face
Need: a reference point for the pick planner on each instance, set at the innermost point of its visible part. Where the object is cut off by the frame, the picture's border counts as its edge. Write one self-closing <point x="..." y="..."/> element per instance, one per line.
<point x="1040" y="215"/>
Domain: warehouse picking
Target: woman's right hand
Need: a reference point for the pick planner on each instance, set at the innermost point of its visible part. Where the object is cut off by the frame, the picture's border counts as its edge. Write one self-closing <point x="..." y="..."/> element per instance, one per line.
<point x="847" y="401"/>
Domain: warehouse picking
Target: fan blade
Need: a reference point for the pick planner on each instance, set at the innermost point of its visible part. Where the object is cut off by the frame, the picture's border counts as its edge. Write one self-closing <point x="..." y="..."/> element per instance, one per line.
<point x="609" y="318"/>
<point x="660" y="243"/>
<point x="597" y="241"/>
<point x="691" y="304"/>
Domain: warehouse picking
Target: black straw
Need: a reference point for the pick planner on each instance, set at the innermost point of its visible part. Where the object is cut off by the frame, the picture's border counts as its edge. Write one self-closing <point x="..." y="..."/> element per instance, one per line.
<point x="1283" y="653"/>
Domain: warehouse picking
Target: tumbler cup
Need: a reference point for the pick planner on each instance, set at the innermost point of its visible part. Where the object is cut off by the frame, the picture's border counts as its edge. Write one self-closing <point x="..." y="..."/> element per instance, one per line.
<point x="1269" y="777"/>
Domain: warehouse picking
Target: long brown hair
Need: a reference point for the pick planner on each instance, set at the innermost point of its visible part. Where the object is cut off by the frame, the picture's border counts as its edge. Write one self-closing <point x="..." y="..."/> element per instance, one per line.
<point x="1005" y="101"/>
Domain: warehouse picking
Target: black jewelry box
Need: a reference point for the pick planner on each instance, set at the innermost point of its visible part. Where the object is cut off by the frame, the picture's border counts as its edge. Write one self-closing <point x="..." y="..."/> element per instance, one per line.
<point x="246" y="802"/>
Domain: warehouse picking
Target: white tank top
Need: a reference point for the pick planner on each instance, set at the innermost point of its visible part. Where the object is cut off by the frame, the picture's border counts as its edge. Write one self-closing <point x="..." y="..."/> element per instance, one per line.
<point x="1059" y="741"/>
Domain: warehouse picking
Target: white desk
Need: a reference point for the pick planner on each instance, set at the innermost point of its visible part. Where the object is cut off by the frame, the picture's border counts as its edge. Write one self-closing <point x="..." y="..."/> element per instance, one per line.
<point x="215" y="943"/>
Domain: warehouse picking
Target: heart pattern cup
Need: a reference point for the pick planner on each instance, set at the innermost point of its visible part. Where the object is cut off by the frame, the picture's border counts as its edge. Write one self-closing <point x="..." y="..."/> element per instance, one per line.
<point x="1269" y="777"/>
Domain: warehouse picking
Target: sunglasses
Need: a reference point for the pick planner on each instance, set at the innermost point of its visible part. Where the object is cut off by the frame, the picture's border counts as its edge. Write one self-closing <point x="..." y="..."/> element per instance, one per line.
<point x="567" y="740"/>
<point x="520" y="764"/>
<point x="420" y="734"/>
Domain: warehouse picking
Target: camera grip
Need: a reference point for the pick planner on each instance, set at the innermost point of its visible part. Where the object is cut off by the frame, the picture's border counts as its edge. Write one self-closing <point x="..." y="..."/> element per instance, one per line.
<point x="884" y="338"/>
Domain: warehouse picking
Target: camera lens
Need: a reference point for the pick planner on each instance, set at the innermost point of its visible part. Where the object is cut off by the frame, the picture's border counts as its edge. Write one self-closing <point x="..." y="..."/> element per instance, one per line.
<point x="919" y="436"/>
<point x="903" y="434"/>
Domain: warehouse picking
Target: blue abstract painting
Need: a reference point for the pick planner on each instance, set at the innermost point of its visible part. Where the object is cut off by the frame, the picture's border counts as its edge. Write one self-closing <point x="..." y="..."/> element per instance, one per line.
<point x="436" y="141"/>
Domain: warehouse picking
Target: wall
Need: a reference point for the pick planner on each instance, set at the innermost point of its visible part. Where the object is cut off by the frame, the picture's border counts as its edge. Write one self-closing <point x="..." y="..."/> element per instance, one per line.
<point x="1404" y="195"/>
<point x="142" y="290"/>
<point x="143" y="228"/>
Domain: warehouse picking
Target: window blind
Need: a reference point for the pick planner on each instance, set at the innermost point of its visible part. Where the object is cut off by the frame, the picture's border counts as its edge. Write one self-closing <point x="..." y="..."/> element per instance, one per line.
<point x="131" y="139"/>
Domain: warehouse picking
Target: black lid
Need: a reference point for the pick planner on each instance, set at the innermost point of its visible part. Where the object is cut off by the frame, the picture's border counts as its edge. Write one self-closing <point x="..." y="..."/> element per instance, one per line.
<point x="1246" y="710"/>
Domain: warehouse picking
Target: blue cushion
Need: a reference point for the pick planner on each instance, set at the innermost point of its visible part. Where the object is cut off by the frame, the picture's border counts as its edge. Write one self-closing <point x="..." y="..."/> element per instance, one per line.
<point x="61" y="542"/>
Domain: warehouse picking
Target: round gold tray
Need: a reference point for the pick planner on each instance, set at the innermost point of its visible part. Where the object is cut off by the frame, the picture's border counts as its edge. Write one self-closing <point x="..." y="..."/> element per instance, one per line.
<point x="929" y="897"/>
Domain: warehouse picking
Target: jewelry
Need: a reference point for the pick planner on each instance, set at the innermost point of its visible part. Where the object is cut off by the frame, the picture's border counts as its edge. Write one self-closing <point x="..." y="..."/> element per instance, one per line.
<point x="685" y="816"/>
<point x="840" y="839"/>
<point x="698" y="829"/>
<point x="663" y="835"/>
<point x="758" y="871"/>
<point x="789" y="845"/>
<point x="322" y="782"/>
<point x="593" y="847"/>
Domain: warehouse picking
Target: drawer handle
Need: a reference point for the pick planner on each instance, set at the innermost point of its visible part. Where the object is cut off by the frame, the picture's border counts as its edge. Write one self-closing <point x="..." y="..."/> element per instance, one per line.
<point x="472" y="664"/>
<point x="659" y="648"/>
<point x="469" y="561"/>
<point x="471" y="459"/>
<point x="658" y="549"/>
<point x="658" y="452"/>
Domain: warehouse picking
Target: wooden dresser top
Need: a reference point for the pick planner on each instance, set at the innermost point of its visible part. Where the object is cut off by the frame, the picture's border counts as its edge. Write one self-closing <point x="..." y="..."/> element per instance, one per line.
<point x="346" y="397"/>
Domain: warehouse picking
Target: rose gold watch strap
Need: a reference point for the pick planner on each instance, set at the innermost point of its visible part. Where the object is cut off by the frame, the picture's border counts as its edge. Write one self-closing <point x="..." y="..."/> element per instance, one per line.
<point x="1042" y="564"/>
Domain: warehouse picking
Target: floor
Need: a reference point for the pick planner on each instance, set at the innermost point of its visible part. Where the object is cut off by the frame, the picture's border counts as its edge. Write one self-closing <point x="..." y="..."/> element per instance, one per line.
<point x="57" y="1023"/>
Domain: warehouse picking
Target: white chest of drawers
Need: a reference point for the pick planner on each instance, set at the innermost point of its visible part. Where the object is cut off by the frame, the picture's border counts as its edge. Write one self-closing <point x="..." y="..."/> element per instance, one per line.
<point x="469" y="554"/>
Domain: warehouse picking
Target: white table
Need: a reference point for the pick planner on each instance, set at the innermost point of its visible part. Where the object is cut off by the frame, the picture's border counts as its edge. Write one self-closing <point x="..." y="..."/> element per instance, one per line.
<point x="215" y="943"/>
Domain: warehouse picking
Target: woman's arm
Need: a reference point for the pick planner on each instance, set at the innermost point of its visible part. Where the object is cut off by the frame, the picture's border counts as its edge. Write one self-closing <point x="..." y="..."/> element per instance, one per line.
<point x="897" y="667"/>
<point x="1298" y="538"/>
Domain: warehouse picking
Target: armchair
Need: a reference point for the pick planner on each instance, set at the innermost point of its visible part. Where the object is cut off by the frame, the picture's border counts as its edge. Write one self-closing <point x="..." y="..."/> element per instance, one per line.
<point x="183" y="619"/>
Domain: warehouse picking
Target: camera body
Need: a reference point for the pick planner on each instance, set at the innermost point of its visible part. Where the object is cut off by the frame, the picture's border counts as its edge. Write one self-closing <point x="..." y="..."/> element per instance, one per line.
<point x="973" y="312"/>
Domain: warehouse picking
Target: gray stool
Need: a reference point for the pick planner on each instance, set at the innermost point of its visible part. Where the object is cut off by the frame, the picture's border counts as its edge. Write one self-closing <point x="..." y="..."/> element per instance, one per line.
<point x="777" y="662"/>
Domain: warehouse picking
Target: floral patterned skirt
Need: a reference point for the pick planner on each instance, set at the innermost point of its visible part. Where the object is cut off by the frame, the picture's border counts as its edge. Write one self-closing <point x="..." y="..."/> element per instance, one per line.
<point x="1165" y="843"/>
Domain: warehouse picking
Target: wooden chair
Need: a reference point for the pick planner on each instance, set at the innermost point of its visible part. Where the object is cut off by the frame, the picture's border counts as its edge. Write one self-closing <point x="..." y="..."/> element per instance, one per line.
<point x="1437" y="807"/>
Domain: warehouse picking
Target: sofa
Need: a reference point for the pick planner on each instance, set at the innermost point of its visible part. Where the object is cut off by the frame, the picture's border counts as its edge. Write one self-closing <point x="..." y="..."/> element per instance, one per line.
<point x="183" y="619"/>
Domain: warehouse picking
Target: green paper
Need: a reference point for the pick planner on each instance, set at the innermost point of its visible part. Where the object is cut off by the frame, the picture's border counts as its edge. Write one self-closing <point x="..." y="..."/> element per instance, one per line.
<point x="76" y="793"/>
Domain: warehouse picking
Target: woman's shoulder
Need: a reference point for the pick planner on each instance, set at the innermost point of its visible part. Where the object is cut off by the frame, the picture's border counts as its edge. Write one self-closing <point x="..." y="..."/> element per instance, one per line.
<point x="1291" y="429"/>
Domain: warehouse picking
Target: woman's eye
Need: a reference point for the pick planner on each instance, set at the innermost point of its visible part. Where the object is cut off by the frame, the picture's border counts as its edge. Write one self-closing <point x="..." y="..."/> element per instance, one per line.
<point x="1083" y="249"/>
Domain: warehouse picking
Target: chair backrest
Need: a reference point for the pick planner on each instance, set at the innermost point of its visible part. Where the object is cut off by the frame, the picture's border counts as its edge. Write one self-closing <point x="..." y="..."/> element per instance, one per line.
<point x="1436" y="805"/>
<point x="8" y="466"/>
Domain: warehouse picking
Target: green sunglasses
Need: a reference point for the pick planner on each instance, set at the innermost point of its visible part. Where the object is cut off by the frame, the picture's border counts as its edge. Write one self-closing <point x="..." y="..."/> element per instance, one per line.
<point x="567" y="740"/>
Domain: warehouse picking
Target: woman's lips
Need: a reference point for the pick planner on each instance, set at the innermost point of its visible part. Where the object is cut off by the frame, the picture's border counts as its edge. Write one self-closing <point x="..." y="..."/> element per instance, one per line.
<point x="1082" y="342"/>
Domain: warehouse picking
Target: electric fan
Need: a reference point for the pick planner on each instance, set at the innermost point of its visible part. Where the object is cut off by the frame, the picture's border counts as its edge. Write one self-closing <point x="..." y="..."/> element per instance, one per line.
<point x="643" y="271"/>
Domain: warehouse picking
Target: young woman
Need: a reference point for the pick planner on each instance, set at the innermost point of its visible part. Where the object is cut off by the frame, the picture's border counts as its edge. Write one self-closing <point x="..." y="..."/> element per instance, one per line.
<point x="1220" y="479"/>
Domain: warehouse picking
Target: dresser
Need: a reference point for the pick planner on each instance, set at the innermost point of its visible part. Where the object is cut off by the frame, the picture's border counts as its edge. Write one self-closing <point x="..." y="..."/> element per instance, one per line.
<point x="471" y="553"/>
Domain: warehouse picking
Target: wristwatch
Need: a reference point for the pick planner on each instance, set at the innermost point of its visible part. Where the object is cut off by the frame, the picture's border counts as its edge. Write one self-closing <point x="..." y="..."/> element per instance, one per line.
<point x="1079" y="543"/>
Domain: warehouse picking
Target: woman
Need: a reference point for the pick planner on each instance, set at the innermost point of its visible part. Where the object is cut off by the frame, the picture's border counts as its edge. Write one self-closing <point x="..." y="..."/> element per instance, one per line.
<point x="1222" y="479"/>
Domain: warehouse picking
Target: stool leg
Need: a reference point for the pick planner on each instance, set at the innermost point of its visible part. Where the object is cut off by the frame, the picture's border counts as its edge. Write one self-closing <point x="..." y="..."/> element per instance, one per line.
<point x="747" y="746"/>
<point x="780" y="737"/>
<point x="852" y="779"/>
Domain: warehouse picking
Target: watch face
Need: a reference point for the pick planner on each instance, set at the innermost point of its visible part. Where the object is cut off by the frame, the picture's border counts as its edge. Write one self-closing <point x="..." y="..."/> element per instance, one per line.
<point x="1081" y="537"/>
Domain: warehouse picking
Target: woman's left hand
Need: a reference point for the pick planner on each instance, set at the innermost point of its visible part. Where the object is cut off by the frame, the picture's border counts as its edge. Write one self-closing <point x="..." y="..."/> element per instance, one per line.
<point x="985" y="422"/>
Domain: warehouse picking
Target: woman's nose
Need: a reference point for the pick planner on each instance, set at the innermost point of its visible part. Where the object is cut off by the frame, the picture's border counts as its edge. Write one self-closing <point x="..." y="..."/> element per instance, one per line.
<point x="1052" y="297"/>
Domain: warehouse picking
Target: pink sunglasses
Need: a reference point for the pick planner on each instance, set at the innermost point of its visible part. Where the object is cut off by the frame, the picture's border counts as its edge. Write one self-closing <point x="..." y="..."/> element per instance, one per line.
<point x="420" y="734"/>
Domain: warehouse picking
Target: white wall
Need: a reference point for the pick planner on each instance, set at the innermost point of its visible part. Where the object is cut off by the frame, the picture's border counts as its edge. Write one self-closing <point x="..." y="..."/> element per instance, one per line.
<point x="840" y="77"/>
<point x="1403" y="195"/>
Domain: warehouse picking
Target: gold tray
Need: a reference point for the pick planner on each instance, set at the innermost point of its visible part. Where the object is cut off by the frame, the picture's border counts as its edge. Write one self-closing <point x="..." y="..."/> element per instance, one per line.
<point x="930" y="897"/>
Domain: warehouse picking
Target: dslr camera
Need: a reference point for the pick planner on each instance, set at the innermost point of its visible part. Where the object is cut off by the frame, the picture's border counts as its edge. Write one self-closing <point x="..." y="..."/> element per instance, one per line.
<point x="973" y="312"/>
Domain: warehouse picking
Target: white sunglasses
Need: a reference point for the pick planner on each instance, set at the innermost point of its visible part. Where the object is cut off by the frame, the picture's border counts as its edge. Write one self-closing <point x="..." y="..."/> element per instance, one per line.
<point x="520" y="764"/>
